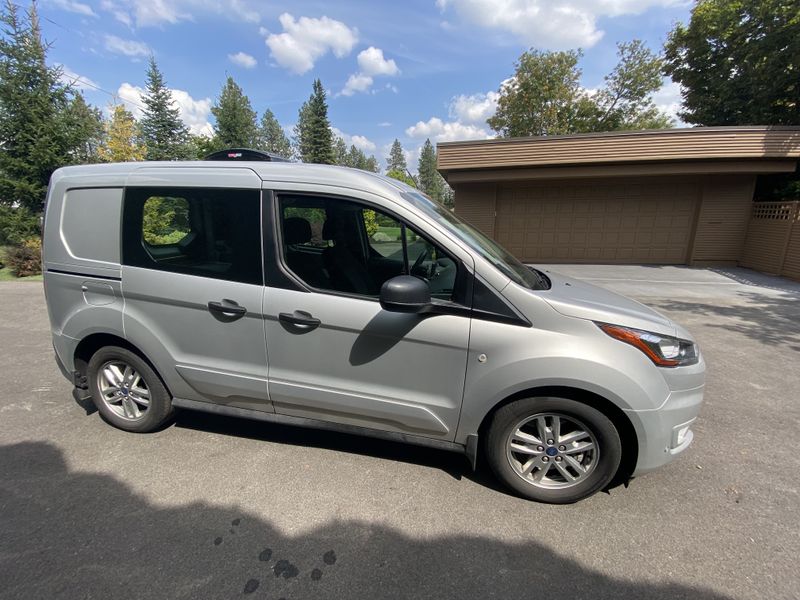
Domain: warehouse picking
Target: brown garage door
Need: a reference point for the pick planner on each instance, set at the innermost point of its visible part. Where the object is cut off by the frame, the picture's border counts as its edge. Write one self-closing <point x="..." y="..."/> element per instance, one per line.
<point x="646" y="222"/>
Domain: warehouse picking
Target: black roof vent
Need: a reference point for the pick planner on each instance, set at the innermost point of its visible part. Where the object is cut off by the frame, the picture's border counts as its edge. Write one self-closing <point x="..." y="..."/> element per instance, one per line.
<point x="232" y="154"/>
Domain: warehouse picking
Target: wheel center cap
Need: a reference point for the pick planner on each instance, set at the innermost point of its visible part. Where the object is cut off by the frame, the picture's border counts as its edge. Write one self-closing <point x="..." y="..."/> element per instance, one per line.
<point x="124" y="391"/>
<point x="551" y="451"/>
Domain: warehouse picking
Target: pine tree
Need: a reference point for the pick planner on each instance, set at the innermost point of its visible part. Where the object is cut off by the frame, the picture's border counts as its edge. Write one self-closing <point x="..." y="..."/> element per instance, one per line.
<point x="372" y="165"/>
<point x="343" y="158"/>
<point x="83" y="125"/>
<point x="313" y="129"/>
<point x="355" y="157"/>
<point x="271" y="136"/>
<point x="123" y="139"/>
<point x="236" y="120"/>
<point x="41" y="126"/>
<point x="164" y="133"/>
<point x="397" y="159"/>
<point x="430" y="181"/>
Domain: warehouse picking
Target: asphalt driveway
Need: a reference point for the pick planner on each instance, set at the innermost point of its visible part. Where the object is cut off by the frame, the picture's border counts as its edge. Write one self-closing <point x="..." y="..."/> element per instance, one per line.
<point x="214" y="507"/>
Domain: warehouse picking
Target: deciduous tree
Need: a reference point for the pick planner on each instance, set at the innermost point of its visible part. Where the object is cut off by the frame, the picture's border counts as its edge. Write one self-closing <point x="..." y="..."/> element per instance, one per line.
<point x="123" y="139"/>
<point x="738" y="62"/>
<point x="545" y="96"/>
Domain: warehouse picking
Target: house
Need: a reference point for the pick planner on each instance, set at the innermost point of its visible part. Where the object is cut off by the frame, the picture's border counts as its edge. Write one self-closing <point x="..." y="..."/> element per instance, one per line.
<point x="677" y="196"/>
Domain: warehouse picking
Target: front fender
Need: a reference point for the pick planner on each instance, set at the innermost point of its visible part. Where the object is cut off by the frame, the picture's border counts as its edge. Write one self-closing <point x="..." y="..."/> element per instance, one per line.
<point x="578" y="356"/>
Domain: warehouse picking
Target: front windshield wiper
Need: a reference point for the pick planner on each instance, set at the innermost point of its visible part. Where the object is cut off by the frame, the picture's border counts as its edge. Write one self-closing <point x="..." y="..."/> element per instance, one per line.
<point x="544" y="280"/>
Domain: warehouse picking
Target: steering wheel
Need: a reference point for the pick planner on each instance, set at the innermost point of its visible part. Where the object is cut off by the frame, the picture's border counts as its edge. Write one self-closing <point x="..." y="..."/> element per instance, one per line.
<point x="420" y="259"/>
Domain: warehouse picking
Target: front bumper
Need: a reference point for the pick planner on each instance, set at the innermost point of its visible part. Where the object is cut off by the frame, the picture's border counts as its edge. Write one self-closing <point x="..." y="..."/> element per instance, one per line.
<point x="666" y="431"/>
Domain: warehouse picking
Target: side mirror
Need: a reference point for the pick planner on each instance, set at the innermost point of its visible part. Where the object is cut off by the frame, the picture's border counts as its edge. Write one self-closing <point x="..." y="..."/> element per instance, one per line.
<point x="405" y="294"/>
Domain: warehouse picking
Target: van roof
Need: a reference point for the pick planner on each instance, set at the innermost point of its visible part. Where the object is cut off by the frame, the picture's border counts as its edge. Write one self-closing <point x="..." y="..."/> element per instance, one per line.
<point x="116" y="173"/>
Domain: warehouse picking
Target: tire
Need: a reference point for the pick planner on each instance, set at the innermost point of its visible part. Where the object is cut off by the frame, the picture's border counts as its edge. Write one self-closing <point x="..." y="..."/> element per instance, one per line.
<point x="566" y="472"/>
<point x="141" y="403"/>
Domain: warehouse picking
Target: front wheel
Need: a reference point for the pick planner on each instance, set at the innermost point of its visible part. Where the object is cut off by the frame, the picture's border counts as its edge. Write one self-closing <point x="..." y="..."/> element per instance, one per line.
<point x="553" y="450"/>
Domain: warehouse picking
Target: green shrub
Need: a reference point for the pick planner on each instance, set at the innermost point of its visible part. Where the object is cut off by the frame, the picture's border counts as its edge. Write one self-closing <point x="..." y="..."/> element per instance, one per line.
<point x="26" y="259"/>
<point x="17" y="225"/>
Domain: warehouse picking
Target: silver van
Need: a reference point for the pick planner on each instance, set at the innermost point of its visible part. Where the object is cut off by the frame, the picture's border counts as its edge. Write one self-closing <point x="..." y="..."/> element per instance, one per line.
<point x="334" y="298"/>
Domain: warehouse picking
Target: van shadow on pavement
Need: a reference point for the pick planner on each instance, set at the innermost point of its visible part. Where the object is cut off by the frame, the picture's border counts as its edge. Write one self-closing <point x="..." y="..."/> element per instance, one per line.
<point x="72" y="534"/>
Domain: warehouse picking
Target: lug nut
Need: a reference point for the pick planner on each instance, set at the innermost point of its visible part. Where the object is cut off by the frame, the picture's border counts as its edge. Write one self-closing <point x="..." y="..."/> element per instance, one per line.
<point x="562" y="448"/>
<point x="550" y="442"/>
<point x="540" y="448"/>
<point x="545" y="459"/>
<point x="559" y="459"/>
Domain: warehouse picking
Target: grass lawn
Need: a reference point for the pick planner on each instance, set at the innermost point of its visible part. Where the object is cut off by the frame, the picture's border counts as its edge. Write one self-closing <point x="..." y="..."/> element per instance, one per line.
<point x="392" y="232"/>
<point x="7" y="275"/>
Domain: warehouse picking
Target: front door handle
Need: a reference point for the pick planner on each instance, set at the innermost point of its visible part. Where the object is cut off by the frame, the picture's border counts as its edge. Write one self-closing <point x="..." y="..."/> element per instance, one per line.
<point x="228" y="309"/>
<point x="300" y="319"/>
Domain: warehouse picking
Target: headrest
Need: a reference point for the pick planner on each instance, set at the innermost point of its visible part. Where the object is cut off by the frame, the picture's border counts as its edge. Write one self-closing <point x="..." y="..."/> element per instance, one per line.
<point x="329" y="229"/>
<point x="296" y="230"/>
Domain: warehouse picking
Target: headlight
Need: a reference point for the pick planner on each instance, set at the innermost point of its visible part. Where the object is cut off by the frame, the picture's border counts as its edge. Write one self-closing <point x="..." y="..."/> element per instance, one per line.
<point x="663" y="350"/>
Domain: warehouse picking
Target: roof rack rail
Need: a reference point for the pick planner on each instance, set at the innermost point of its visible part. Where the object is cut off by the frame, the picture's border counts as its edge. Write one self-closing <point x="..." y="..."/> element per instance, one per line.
<point x="232" y="154"/>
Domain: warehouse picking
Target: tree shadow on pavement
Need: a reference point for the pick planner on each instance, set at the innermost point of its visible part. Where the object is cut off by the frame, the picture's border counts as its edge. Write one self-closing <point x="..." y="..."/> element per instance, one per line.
<point x="764" y="318"/>
<point x="72" y="534"/>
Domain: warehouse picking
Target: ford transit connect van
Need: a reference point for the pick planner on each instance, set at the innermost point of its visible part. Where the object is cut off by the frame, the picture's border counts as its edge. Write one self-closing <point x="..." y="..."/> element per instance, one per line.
<point x="334" y="298"/>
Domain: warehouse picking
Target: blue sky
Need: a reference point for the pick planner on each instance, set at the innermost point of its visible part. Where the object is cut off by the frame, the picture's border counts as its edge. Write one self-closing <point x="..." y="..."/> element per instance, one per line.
<point x="407" y="70"/>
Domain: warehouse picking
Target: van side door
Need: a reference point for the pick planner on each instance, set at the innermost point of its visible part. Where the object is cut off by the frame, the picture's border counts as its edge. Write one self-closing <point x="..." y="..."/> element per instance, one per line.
<point x="334" y="353"/>
<point x="192" y="282"/>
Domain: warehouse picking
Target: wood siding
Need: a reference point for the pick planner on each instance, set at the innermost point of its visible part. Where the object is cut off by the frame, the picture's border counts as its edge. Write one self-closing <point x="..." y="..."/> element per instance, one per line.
<point x="722" y="222"/>
<point x="773" y="239"/>
<point x="791" y="264"/>
<point x="701" y="143"/>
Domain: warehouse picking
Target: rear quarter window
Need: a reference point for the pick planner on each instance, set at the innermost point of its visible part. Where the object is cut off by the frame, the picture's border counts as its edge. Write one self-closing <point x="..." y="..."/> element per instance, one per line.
<point x="212" y="233"/>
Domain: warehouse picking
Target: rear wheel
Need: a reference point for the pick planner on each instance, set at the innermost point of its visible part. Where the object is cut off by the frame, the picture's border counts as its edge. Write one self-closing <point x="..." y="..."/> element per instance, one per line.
<point x="127" y="391"/>
<point x="553" y="450"/>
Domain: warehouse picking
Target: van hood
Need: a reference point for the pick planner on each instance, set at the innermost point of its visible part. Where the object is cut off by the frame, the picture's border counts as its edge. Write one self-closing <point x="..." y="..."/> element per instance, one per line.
<point x="575" y="298"/>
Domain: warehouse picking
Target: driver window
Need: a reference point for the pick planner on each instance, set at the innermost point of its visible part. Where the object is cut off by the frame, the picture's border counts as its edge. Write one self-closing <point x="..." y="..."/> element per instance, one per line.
<point x="345" y="246"/>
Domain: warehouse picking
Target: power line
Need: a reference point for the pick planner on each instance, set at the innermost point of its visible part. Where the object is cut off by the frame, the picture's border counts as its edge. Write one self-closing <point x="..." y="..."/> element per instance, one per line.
<point x="78" y="78"/>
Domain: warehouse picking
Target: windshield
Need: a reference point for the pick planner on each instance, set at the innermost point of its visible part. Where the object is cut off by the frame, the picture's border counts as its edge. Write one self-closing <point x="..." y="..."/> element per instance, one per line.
<point x="486" y="247"/>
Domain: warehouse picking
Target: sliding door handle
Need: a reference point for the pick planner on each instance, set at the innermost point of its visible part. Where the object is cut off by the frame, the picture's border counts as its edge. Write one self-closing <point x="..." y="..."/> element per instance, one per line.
<point x="300" y="319"/>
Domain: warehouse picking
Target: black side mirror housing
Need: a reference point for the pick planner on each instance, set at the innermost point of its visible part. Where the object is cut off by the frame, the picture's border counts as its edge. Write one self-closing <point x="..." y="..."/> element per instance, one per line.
<point x="406" y="294"/>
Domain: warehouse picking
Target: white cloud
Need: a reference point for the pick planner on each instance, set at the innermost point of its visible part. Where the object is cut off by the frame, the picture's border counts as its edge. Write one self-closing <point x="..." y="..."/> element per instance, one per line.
<point x="194" y="113"/>
<point x="446" y="131"/>
<point x="127" y="47"/>
<point x="384" y="124"/>
<point x="306" y="40"/>
<point x="242" y="59"/>
<point x="146" y="13"/>
<point x="371" y="63"/>
<point x="80" y="82"/>
<point x="668" y="99"/>
<point x="475" y="108"/>
<point x="74" y="7"/>
<point x="359" y="141"/>
<point x="119" y="13"/>
<point x="357" y="82"/>
<point x="547" y="24"/>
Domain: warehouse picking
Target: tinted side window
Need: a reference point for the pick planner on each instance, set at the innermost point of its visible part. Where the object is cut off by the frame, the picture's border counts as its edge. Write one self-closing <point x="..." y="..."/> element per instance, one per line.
<point x="344" y="246"/>
<point x="206" y="232"/>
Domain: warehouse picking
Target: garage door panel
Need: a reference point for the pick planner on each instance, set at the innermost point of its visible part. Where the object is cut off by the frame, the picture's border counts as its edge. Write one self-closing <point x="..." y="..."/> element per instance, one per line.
<point x="644" y="222"/>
